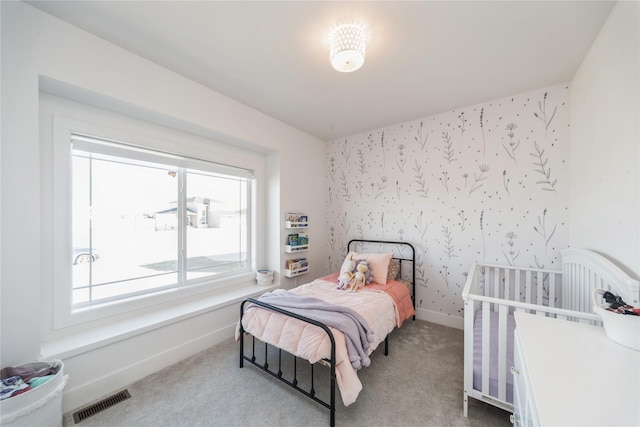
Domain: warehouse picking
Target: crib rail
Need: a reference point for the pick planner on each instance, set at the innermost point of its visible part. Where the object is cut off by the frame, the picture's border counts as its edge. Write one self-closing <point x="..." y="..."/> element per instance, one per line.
<point x="534" y="291"/>
<point x="530" y="286"/>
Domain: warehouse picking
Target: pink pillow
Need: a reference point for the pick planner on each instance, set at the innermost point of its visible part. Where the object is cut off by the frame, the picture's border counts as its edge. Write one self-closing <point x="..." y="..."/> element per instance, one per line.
<point x="378" y="263"/>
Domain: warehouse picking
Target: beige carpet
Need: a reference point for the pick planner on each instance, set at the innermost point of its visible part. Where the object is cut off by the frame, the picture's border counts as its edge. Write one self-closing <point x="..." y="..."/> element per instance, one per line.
<point x="418" y="384"/>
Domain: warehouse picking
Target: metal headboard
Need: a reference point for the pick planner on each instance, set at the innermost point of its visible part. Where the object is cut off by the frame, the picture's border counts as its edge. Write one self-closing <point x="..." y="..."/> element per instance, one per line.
<point x="399" y="257"/>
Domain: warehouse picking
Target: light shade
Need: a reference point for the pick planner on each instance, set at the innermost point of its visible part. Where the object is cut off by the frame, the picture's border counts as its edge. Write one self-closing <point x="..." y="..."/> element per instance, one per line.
<point x="347" y="45"/>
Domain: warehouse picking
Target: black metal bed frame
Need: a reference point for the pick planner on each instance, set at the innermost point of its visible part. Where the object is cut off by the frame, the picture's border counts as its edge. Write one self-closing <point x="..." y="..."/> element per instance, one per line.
<point x="331" y="361"/>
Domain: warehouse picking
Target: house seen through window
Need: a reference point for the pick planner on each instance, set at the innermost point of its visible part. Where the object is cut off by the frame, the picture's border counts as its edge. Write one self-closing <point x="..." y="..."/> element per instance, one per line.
<point x="144" y="221"/>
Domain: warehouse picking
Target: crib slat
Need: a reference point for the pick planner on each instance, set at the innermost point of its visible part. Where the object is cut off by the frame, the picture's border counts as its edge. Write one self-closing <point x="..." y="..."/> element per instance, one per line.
<point x="587" y="279"/>
<point x="590" y="281"/>
<point x="507" y="285"/>
<point x="576" y="273"/>
<point x="574" y="277"/>
<point x="576" y="290"/>
<point x="587" y="282"/>
<point x="576" y="294"/>
<point x="574" y="282"/>
<point x="597" y="283"/>
<point x="527" y="287"/>
<point x="496" y="285"/>
<point x="584" y="296"/>
<point x="567" y="280"/>
<point x="566" y="274"/>
<point x="502" y="352"/>
<point x="485" y="346"/>
<point x="552" y="289"/>
<point x="516" y="296"/>
<point x="540" y="291"/>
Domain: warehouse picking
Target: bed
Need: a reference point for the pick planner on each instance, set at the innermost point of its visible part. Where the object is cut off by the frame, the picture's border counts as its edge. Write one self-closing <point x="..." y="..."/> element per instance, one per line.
<point x="492" y="293"/>
<point x="284" y="325"/>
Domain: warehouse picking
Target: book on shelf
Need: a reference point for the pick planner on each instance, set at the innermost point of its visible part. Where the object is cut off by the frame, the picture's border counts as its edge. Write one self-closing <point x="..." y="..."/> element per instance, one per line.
<point x="292" y="216"/>
<point x="295" y="217"/>
<point x="296" y="264"/>
<point x="298" y="239"/>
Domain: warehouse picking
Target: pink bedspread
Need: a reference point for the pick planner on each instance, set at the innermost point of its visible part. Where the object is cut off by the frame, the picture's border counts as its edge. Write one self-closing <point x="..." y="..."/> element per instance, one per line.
<point x="383" y="307"/>
<point x="396" y="290"/>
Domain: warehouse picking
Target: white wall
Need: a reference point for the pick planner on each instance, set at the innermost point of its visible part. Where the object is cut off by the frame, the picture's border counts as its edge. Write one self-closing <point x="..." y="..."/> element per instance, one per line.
<point x="39" y="48"/>
<point x="605" y="142"/>
<point x="487" y="183"/>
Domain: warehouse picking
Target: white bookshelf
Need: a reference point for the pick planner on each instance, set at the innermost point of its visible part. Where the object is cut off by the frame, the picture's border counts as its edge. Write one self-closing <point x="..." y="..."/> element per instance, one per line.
<point x="299" y="222"/>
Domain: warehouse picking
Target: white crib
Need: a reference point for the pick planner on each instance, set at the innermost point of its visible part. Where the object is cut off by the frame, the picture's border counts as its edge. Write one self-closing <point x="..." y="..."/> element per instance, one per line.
<point x="491" y="295"/>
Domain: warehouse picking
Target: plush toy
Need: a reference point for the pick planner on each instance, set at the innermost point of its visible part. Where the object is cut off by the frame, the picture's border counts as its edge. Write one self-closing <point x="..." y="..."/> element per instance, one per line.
<point x="359" y="278"/>
<point x="346" y="273"/>
<point x="344" y="280"/>
<point x="368" y="274"/>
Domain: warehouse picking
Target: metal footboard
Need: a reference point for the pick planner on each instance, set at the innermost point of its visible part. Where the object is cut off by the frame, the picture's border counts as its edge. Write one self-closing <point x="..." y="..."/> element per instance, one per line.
<point x="311" y="393"/>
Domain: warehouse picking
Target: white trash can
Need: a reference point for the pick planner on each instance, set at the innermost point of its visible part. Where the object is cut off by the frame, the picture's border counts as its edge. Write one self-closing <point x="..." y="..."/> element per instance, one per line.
<point x="38" y="407"/>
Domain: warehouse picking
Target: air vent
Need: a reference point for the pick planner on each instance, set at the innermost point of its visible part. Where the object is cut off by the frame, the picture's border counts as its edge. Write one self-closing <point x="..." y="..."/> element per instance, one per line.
<point x="92" y="410"/>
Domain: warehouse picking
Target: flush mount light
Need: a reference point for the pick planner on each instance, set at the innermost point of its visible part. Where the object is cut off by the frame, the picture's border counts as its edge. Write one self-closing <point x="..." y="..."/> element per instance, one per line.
<point x="347" y="44"/>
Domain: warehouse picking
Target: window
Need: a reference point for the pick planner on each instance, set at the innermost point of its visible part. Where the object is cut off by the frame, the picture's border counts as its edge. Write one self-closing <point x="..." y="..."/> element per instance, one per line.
<point x="138" y="218"/>
<point x="145" y="221"/>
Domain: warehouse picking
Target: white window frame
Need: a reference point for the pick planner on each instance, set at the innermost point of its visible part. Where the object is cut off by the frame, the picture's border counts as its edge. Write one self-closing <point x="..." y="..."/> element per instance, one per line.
<point x="64" y="315"/>
<point x="98" y="145"/>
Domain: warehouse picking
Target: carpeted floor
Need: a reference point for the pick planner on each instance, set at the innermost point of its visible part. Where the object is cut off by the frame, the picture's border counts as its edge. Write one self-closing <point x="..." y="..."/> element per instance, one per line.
<point x="418" y="384"/>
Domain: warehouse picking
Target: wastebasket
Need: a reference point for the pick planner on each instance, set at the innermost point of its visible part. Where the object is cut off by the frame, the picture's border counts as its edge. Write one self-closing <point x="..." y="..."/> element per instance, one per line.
<point x="40" y="406"/>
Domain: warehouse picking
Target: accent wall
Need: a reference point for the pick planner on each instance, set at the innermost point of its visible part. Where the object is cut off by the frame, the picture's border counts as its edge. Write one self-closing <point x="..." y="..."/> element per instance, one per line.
<point x="485" y="183"/>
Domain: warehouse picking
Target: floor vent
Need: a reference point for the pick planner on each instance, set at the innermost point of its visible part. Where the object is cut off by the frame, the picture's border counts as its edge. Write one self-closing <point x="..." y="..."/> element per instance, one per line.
<point x="92" y="410"/>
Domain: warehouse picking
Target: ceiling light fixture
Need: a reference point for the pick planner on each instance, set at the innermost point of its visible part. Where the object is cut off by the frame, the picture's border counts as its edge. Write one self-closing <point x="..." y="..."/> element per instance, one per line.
<point x="347" y="45"/>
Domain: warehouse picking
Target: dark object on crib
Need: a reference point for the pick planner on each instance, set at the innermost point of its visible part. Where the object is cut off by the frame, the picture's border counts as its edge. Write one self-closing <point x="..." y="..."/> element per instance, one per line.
<point x="616" y="304"/>
<point x="613" y="300"/>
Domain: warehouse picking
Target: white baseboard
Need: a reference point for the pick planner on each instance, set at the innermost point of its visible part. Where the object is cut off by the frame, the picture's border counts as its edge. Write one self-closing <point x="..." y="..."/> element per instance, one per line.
<point x="440" y="318"/>
<point x="98" y="388"/>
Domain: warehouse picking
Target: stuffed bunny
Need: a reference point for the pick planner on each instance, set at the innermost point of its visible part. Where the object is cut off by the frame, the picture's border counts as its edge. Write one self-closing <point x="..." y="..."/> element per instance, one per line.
<point x="346" y="273"/>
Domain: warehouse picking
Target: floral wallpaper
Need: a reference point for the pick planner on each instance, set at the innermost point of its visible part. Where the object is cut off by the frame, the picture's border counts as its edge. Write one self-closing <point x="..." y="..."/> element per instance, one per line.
<point x="487" y="182"/>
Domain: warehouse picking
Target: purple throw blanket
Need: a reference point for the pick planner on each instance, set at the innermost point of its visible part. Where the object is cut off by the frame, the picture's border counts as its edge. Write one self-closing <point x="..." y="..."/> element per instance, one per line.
<point x="357" y="334"/>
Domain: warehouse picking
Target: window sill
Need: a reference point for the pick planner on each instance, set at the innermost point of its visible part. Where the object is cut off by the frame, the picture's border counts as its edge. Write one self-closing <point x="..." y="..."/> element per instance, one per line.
<point x="87" y="340"/>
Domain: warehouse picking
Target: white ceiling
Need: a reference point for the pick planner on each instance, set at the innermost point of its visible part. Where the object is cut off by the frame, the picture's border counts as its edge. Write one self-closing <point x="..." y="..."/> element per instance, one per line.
<point x="423" y="58"/>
